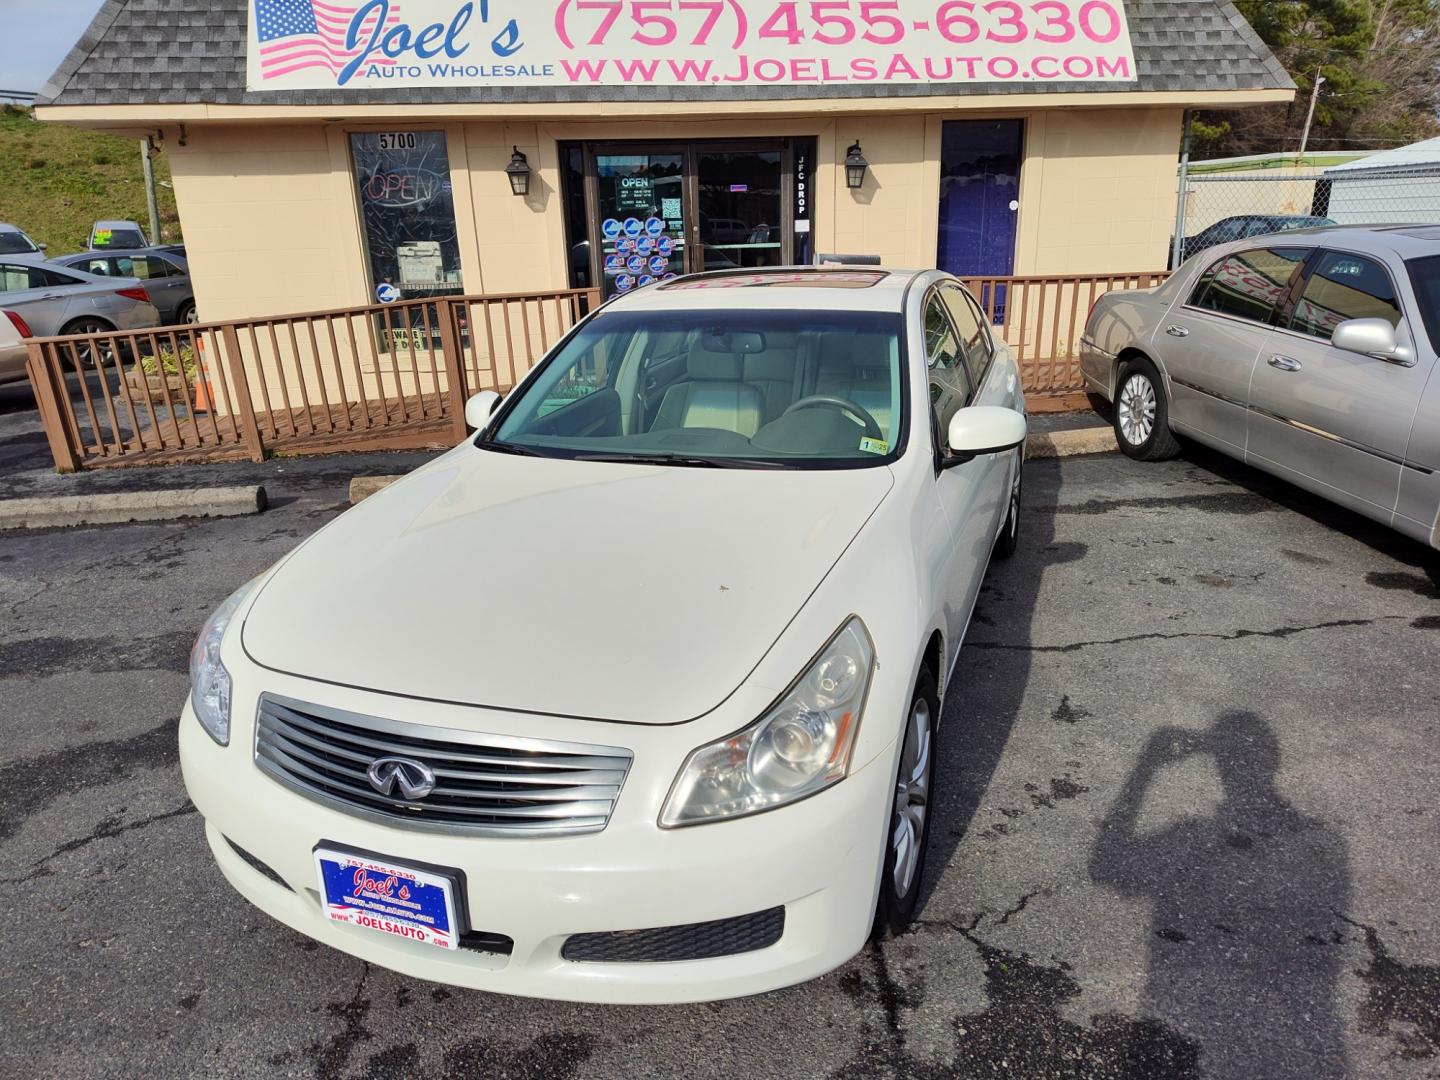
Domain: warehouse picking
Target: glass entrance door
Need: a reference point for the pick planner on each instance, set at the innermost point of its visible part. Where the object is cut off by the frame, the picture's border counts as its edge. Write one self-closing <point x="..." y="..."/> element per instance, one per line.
<point x="740" y="203"/>
<point x="656" y="211"/>
<point x="641" y="219"/>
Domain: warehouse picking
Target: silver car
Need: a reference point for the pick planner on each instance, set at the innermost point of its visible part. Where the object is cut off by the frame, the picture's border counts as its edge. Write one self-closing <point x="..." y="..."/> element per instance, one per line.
<point x="61" y="300"/>
<point x="1309" y="354"/>
<point x="165" y="273"/>
<point x="14" y="241"/>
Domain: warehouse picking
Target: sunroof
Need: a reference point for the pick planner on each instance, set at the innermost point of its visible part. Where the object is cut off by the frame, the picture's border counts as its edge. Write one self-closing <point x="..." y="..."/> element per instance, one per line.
<point x="796" y="279"/>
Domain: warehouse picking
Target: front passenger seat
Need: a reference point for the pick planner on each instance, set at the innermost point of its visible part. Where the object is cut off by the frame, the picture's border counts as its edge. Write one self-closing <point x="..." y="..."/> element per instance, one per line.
<point x="714" y="396"/>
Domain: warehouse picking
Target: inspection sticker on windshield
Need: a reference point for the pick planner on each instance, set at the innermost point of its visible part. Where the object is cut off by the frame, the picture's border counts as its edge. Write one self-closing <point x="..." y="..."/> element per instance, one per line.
<point x="402" y="901"/>
<point x="874" y="446"/>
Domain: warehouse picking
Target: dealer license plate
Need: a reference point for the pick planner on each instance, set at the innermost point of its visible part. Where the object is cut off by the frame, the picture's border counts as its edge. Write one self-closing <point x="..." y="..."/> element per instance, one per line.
<point x="388" y="897"/>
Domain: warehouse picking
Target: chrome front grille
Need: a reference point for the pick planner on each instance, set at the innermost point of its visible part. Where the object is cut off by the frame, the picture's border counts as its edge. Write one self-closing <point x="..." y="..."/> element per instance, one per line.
<point x="486" y="785"/>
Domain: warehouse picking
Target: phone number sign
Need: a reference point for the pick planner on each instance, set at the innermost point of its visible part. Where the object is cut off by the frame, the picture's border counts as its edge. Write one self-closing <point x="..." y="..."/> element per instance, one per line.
<point x="583" y="43"/>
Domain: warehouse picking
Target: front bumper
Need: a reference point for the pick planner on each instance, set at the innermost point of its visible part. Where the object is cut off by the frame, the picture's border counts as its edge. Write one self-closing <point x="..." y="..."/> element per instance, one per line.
<point x="820" y="859"/>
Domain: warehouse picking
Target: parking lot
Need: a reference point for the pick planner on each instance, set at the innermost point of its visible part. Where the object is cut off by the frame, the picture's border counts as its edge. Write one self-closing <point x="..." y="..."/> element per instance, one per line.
<point x="1187" y="821"/>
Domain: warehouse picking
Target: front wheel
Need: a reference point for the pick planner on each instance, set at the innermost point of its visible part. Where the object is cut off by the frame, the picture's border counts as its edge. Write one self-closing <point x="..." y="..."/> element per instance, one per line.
<point x="908" y="833"/>
<point x="1142" y="415"/>
<point x="1009" y="539"/>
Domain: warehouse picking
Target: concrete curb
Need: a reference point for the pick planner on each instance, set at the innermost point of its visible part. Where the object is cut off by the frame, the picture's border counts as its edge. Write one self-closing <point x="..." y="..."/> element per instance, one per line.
<point x="126" y="506"/>
<point x="1072" y="443"/>
<point x="1054" y="444"/>
<point x="362" y="487"/>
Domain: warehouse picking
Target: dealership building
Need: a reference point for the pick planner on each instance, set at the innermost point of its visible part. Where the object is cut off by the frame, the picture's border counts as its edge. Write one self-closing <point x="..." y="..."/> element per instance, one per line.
<point x="327" y="155"/>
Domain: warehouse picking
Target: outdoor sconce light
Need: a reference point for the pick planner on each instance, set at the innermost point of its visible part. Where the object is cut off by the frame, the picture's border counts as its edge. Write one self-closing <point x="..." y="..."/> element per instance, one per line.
<point x="855" y="166"/>
<point x="519" y="173"/>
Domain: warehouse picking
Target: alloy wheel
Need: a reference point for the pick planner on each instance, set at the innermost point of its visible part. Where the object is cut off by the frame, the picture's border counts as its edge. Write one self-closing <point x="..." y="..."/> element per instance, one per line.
<point x="1137" y="409"/>
<point x="912" y="798"/>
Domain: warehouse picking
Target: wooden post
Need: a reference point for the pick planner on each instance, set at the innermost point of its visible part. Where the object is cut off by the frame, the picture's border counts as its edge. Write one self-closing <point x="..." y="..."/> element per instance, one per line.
<point x="455" y="390"/>
<point x="47" y="400"/>
<point x="236" y="365"/>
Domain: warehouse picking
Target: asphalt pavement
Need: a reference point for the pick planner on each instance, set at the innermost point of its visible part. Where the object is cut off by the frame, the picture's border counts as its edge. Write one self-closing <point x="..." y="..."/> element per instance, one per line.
<point x="1187" y="822"/>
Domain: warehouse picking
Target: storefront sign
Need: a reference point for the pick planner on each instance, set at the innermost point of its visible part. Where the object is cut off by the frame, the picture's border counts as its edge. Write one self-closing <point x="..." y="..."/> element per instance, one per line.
<point x="309" y="45"/>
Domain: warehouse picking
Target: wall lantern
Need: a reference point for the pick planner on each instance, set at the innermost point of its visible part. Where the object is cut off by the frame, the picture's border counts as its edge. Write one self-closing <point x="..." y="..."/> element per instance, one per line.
<point x="855" y="166"/>
<point x="519" y="173"/>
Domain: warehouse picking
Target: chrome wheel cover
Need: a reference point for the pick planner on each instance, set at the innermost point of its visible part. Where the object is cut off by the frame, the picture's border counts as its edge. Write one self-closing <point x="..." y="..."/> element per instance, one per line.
<point x="912" y="798"/>
<point x="1136" y="409"/>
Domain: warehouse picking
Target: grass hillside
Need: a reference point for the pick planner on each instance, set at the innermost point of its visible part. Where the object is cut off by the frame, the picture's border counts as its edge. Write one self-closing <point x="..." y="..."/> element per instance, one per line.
<point x="56" y="180"/>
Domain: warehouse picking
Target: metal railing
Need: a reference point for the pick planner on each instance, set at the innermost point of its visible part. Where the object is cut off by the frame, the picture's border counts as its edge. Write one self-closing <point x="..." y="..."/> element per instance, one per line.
<point x="396" y="376"/>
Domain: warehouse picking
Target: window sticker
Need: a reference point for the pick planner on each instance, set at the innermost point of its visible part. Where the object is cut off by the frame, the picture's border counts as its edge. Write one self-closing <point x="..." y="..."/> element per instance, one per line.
<point x="874" y="446"/>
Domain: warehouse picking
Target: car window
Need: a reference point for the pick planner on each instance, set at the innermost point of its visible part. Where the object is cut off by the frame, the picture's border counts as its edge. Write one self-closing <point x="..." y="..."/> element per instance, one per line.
<point x="47" y="277"/>
<point x="16" y="278"/>
<point x="950" y="389"/>
<point x="1342" y="287"/>
<point x="155" y="267"/>
<point x="1248" y="284"/>
<point x="794" y="388"/>
<point x="16" y="243"/>
<point x="1425" y="276"/>
<point x="99" y="267"/>
<point x="971" y="329"/>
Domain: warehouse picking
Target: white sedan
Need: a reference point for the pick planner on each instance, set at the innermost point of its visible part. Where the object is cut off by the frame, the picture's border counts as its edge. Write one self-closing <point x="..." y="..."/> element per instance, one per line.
<point x="633" y="697"/>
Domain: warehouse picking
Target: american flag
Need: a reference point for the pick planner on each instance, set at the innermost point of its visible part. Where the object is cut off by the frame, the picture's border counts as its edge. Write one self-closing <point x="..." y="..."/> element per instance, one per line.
<point x="299" y="34"/>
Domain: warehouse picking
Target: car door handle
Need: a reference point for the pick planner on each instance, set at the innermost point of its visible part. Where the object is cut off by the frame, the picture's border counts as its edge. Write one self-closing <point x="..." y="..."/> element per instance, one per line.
<point x="1284" y="363"/>
<point x="1177" y="331"/>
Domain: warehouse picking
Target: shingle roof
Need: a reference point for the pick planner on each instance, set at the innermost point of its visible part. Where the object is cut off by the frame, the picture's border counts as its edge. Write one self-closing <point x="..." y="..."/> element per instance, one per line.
<point x="193" y="51"/>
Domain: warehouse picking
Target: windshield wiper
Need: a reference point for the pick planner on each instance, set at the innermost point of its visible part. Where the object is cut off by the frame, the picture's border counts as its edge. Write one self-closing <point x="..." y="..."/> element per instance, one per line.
<point x="511" y="448"/>
<point x="681" y="460"/>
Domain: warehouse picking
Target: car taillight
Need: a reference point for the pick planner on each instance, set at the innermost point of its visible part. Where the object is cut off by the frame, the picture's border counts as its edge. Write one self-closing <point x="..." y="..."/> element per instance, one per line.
<point x="137" y="293"/>
<point x="20" y="324"/>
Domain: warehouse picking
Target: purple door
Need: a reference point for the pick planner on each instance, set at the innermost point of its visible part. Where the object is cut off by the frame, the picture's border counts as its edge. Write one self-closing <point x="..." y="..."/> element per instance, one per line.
<point x="979" y="196"/>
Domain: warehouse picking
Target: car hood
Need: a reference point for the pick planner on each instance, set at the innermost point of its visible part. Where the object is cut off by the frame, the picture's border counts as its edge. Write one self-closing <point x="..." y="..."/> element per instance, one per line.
<point x="626" y="592"/>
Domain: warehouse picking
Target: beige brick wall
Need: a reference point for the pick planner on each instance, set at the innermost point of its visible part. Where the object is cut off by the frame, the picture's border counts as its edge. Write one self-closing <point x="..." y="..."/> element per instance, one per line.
<point x="272" y="225"/>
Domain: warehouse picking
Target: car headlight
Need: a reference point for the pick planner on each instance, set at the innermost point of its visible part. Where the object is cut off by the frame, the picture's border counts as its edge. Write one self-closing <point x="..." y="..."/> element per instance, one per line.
<point x="800" y="746"/>
<point x="209" y="681"/>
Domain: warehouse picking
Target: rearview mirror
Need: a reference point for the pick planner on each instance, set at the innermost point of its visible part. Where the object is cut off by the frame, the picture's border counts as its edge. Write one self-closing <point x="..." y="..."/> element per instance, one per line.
<point x="479" y="408"/>
<point x="983" y="429"/>
<point x="1371" y="337"/>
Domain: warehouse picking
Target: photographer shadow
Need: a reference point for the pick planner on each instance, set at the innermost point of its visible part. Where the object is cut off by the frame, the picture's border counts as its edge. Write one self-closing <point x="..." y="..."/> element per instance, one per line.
<point x="1244" y="951"/>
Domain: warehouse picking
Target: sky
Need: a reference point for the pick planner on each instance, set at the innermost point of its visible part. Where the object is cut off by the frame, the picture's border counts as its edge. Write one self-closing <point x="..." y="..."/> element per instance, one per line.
<point x="35" y="35"/>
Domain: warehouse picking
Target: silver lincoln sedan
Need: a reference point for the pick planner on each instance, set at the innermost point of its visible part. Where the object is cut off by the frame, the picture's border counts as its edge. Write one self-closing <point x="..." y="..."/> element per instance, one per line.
<point x="1311" y="355"/>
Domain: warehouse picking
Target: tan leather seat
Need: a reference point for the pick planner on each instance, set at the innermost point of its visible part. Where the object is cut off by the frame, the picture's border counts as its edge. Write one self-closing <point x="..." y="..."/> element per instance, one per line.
<point x="856" y="367"/>
<point x="714" y="396"/>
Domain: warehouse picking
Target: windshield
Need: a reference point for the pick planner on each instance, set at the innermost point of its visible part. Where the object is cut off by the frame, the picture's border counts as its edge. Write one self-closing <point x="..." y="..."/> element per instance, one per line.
<point x="16" y="243"/>
<point x="720" y="388"/>
<point x="1425" y="275"/>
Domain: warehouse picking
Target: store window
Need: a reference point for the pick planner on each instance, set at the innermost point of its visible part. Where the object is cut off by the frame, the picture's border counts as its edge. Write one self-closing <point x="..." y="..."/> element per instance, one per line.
<point x="408" y="207"/>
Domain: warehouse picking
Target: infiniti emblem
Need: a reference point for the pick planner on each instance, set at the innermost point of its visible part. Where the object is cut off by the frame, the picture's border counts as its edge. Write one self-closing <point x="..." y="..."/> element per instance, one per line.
<point x="415" y="779"/>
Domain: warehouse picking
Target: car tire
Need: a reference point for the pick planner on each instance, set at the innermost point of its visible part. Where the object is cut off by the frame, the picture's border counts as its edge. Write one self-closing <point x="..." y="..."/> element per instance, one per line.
<point x="907" y="832"/>
<point x="185" y="314"/>
<point x="90" y="325"/>
<point x="1008" y="541"/>
<point x="1142" y="414"/>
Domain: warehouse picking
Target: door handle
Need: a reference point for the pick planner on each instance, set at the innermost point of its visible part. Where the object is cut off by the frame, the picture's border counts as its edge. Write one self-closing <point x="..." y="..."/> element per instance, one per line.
<point x="1284" y="363"/>
<point x="1177" y="331"/>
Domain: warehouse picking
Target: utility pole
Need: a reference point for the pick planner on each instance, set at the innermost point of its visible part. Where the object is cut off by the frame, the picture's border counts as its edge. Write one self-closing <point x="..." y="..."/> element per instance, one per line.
<point x="151" y="202"/>
<point x="1310" y="115"/>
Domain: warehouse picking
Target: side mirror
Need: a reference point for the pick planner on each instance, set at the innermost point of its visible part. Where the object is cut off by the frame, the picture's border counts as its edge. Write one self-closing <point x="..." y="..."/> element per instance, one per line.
<point x="43" y="247"/>
<point x="983" y="429"/>
<point x="1371" y="337"/>
<point x="479" y="408"/>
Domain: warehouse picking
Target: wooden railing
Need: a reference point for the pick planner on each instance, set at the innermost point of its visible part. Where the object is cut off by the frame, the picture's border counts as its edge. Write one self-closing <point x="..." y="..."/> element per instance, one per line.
<point x="1042" y="319"/>
<point x="391" y="376"/>
<point x="396" y="376"/>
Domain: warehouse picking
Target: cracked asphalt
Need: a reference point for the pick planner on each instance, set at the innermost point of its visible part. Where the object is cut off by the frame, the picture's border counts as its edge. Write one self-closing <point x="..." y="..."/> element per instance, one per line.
<point x="1186" y="827"/>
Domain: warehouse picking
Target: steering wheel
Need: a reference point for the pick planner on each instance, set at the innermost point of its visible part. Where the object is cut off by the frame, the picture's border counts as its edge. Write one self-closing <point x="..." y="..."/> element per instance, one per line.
<point x="830" y="401"/>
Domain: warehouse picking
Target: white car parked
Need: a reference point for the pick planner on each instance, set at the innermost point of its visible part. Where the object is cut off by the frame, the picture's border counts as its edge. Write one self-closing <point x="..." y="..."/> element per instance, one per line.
<point x="632" y="697"/>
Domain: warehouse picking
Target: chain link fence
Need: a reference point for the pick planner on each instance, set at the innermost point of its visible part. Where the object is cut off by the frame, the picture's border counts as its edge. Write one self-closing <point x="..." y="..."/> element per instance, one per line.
<point x="1218" y="208"/>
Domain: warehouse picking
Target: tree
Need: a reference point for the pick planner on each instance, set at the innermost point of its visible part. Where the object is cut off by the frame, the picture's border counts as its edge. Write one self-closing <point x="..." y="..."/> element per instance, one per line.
<point x="1381" y="64"/>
